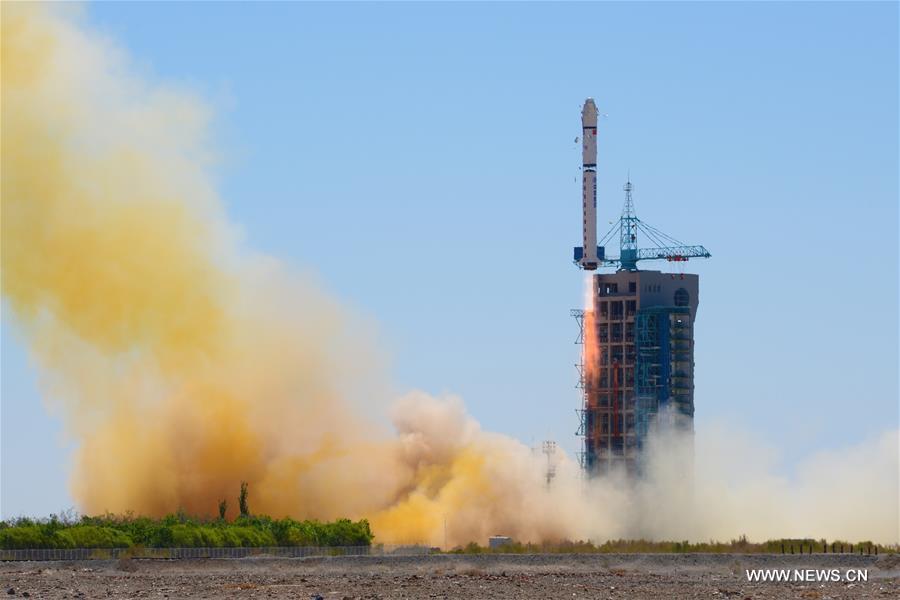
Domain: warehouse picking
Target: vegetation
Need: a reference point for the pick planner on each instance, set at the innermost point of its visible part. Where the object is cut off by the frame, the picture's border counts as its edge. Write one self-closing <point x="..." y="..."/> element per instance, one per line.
<point x="179" y="531"/>
<point x="242" y="500"/>
<point x="738" y="546"/>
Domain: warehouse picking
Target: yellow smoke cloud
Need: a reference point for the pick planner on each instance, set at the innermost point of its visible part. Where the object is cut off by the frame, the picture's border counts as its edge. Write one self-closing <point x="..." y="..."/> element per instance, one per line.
<point x="156" y="337"/>
<point x="184" y="364"/>
<point x="102" y="221"/>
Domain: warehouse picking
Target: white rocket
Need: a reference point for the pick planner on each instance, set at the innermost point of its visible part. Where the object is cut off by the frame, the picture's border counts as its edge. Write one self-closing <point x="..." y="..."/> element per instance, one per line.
<point x="588" y="259"/>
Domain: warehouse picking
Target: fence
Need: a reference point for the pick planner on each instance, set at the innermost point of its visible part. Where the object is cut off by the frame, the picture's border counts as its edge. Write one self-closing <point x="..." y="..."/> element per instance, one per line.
<point x="184" y="553"/>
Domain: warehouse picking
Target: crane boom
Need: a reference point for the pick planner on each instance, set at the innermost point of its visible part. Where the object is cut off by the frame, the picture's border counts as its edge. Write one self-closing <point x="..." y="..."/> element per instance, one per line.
<point x="628" y="226"/>
<point x="673" y="253"/>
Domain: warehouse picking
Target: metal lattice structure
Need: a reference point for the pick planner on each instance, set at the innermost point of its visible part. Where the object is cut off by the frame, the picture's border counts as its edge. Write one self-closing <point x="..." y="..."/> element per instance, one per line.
<point x="578" y="314"/>
<point x="664" y="370"/>
<point x="67" y="554"/>
<point x="628" y="226"/>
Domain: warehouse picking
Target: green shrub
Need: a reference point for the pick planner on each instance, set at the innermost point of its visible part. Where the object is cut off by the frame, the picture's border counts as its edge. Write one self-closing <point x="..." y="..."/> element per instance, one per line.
<point x="91" y="536"/>
<point x="253" y="537"/>
<point x="180" y="530"/>
<point x="162" y="537"/>
<point x="25" y="536"/>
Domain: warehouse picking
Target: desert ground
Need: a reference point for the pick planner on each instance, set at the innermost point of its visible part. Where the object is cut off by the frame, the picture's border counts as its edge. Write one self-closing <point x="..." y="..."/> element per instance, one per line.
<point x="536" y="576"/>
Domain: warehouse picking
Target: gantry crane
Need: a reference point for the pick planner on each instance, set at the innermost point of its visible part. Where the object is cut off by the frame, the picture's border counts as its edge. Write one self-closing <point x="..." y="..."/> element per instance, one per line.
<point x="667" y="248"/>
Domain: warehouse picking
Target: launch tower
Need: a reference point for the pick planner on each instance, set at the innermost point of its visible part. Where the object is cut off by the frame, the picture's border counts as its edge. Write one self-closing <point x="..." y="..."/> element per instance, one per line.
<point x="637" y="366"/>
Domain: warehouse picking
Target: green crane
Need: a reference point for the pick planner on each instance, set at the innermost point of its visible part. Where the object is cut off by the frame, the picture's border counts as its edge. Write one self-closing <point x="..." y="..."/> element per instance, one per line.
<point x="667" y="248"/>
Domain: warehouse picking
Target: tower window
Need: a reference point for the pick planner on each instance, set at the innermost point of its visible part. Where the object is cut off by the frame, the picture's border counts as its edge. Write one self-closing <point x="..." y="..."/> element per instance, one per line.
<point x="682" y="298"/>
<point x="608" y="289"/>
<point x="615" y="310"/>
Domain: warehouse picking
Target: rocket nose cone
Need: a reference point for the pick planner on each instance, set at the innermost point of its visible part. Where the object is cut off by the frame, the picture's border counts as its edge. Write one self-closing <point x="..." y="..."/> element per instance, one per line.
<point x="589" y="113"/>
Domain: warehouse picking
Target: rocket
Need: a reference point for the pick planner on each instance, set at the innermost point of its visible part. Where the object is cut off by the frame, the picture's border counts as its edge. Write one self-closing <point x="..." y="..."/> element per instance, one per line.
<point x="587" y="255"/>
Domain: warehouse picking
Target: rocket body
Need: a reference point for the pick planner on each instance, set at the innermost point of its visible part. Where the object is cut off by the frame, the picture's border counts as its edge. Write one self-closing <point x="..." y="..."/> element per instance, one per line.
<point x="589" y="183"/>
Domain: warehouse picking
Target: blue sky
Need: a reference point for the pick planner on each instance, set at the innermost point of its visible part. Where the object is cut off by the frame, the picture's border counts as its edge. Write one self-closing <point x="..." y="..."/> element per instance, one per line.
<point x="419" y="159"/>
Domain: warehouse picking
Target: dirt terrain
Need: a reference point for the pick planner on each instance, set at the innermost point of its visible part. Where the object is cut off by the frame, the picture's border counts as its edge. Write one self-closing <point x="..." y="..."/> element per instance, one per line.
<point x="440" y="576"/>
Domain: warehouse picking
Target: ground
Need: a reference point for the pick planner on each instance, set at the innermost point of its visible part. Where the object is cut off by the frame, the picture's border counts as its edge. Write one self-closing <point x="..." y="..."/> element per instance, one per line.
<point x="536" y="576"/>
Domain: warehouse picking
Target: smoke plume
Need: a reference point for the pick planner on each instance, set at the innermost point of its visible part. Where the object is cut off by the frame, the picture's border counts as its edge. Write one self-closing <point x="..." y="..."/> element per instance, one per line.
<point x="183" y="364"/>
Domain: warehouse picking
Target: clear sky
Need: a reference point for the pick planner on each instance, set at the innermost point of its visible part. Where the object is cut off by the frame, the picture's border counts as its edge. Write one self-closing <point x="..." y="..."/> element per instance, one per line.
<point x="420" y="160"/>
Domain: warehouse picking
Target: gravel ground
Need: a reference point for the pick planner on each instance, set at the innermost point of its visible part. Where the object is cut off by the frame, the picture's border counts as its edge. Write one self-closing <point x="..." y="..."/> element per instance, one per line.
<point x="711" y="576"/>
